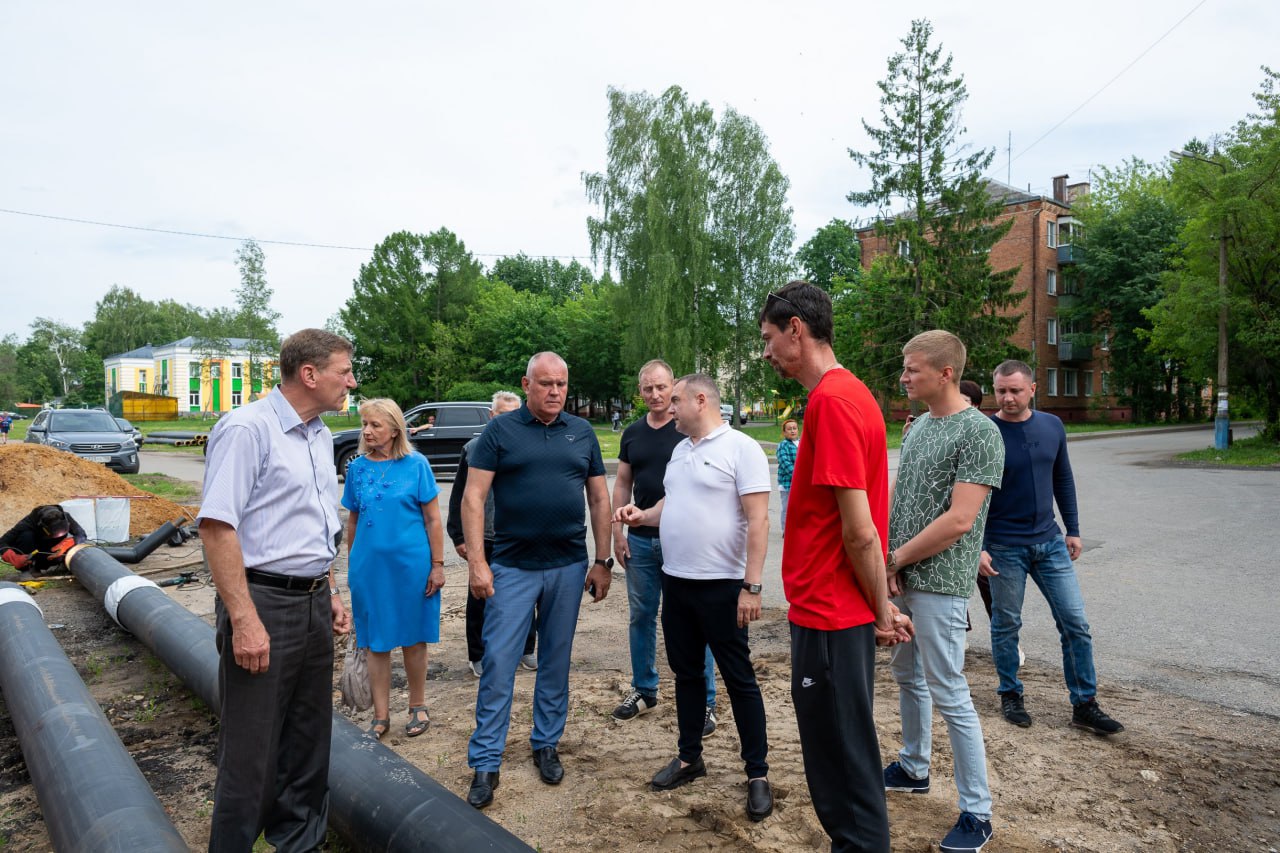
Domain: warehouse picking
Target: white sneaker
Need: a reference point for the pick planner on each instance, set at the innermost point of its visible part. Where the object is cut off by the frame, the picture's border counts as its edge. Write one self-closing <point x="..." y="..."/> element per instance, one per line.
<point x="476" y="667"/>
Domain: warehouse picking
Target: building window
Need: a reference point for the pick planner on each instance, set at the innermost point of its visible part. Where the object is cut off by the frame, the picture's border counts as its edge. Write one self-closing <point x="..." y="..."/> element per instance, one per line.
<point x="142" y="381"/>
<point x="1088" y="383"/>
<point x="193" y="399"/>
<point x="193" y="370"/>
<point x="904" y="249"/>
<point x="1106" y="382"/>
<point x="1070" y="285"/>
<point x="1051" y="379"/>
<point x="215" y="370"/>
<point x="237" y="399"/>
<point x="1051" y="234"/>
<point x="237" y="370"/>
<point x="1069" y="383"/>
<point x="1051" y="331"/>
<point x="1105" y="346"/>
<point x="1051" y="282"/>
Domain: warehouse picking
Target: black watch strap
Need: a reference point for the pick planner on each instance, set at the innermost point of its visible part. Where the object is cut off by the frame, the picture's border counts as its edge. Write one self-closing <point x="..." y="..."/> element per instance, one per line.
<point x="753" y="588"/>
<point x="607" y="563"/>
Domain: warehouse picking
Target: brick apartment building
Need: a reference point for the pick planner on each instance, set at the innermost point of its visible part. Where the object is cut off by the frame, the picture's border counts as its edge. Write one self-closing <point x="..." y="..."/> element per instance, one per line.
<point x="1072" y="381"/>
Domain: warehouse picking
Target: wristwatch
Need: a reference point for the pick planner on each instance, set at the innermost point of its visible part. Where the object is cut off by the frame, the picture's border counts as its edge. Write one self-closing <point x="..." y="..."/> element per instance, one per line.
<point x="607" y="563"/>
<point x="753" y="588"/>
<point x="891" y="562"/>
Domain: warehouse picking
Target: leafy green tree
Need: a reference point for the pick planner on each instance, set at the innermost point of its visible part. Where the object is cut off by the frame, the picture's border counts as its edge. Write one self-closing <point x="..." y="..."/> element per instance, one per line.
<point x="10" y="391"/>
<point x="1241" y="201"/>
<point x="412" y="291"/>
<point x="832" y="253"/>
<point x="123" y="320"/>
<point x="592" y="347"/>
<point x="654" y="223"/>
<point x="752" y="233"/>
<point x="255" y="320"/>
<point x="937" y="272"/>
<point x="545" y="276"/>
<point x="1131" y="229"/>
<point x="507" y="327"/>
<point x="64" y="344"/>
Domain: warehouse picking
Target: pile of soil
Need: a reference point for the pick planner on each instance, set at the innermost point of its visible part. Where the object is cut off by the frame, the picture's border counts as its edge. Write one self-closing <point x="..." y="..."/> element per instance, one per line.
<point x="32" y="475"/>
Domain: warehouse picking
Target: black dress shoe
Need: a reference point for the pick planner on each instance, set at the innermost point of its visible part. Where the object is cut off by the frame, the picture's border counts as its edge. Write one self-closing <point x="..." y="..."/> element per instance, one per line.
<point x="759" y="799"/>
<point x="549" y="767"/>
<point x="482" y="786"/>
<point x="673" y="775"/>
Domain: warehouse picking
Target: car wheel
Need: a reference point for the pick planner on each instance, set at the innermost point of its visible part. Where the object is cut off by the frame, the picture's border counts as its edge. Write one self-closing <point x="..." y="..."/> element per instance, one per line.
<point x="344" y="459"/>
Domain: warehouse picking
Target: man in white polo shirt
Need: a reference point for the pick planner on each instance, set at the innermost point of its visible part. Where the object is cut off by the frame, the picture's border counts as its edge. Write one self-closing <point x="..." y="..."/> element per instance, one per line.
<point x="714" y="528"/>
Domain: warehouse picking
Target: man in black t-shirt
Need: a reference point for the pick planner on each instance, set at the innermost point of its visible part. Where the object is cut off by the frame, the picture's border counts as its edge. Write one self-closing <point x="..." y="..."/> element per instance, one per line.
<point x="642" y="463"/>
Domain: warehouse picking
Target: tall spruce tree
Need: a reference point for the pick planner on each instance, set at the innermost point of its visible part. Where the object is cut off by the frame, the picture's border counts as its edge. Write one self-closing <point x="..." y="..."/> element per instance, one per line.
<point x="937" y="218"/>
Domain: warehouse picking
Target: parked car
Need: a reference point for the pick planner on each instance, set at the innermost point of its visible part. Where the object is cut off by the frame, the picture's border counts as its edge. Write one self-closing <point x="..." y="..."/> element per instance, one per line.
<point x="726" y="412"/>
<point x="89" y="434"/>
<point x="445" y="427"/>
<point x="132" y="430"/>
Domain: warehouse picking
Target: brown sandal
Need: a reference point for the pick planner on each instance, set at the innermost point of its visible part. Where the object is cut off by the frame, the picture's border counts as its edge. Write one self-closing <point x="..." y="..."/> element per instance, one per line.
<point x="415" y="726"/>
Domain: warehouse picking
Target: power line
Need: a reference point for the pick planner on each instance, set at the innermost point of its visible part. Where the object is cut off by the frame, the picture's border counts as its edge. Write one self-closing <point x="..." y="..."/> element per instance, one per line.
<point x="243" y="239"/>
<point x="1107" y="85"/>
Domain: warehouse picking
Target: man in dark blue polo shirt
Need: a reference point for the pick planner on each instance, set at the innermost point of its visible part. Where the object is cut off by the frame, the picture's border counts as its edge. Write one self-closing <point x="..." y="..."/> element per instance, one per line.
<point x="537" y="460"/>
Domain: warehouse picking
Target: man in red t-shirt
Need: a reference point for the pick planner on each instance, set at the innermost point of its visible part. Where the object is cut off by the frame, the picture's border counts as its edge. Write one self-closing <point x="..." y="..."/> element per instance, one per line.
<point x="833" y="572"/>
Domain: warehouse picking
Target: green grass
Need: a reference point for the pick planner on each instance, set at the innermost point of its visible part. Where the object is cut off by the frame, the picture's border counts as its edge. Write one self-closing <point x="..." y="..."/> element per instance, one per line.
<point x="164" y="486"/>
<point x="1256" y="452"/>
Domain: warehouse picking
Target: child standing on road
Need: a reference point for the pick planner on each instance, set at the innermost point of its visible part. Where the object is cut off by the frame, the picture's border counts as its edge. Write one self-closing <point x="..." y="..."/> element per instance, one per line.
<point x="786" y="454"/>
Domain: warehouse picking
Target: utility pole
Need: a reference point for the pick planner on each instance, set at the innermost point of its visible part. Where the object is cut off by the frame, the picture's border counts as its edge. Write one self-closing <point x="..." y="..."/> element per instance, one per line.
<point x="1222" y="419"/>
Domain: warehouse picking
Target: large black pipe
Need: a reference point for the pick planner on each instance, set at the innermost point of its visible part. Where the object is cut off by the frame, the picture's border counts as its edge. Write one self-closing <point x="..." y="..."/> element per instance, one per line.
<point x="137" y="553"/>
<point x="91" y="793"/>
<point x="377" y="800"/>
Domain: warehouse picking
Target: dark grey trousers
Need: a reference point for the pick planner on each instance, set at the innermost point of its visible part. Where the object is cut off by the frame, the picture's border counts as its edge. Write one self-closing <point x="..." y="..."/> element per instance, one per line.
<point x="273" y="744"/>
<point x="832" y="688"/>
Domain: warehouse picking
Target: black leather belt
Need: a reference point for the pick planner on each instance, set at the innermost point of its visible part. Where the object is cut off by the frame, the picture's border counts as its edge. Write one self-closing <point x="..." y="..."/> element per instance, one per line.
<point x="287" y="582"/>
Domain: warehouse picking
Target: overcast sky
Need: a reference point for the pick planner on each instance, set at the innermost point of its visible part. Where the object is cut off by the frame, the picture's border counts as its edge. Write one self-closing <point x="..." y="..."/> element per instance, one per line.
<point x="340" y="123"/>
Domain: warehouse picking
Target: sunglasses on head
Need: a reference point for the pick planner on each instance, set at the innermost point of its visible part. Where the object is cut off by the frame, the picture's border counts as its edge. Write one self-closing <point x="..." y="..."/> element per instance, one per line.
<point x="799" y="311"/>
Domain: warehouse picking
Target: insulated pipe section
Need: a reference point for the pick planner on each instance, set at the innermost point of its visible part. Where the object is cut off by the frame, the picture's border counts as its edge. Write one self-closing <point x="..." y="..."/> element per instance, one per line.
<point x="92" y="795"/>
<point x="153" y="540"/>
<point x="377" y="800"/>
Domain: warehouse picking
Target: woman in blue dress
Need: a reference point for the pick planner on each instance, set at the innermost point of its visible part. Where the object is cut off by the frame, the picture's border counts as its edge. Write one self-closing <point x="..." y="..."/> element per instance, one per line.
<point x="395" y="549"/>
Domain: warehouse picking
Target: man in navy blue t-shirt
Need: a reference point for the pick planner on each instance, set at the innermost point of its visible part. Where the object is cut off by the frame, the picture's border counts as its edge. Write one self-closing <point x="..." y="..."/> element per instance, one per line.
<point x="1023" y="540"/>
<point x="538" y="461"/>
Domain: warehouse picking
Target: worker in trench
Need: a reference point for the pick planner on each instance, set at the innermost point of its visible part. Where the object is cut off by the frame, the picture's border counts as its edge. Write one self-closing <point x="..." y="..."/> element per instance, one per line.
<point x="38" y="544"/>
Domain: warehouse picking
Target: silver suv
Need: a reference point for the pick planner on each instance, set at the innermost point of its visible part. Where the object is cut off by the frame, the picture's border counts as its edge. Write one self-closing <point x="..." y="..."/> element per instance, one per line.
<point x="88" y="433"/>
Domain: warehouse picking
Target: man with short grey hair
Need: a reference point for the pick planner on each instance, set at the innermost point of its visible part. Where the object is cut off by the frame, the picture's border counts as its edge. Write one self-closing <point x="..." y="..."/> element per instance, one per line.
<point x="538" y="460"/>
<point x="503" y="402"/>
<point x="270" y="527"/>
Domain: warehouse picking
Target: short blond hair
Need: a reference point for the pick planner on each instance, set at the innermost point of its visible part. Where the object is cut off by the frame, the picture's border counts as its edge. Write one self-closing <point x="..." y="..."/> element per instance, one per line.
<point x="941" y="349"/>
<point x="386" y="410"/>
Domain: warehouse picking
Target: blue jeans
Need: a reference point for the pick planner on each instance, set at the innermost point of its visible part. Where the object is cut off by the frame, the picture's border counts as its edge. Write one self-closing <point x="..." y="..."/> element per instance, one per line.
<point x="644" y="594"/>
<point x="1049" y="565"/>
<point x="557" y="593"/>
<point x="930" y="671"/>
<point x="784" y="494"/>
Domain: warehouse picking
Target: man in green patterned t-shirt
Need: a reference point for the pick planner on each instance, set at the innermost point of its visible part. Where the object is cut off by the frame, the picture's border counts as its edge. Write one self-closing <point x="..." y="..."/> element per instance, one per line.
<point x="950" y="461"/>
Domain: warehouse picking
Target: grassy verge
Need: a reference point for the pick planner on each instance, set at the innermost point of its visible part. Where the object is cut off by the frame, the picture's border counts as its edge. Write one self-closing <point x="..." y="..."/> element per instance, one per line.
<point x="1256" y="452"/>
<point x="162" y="485"/>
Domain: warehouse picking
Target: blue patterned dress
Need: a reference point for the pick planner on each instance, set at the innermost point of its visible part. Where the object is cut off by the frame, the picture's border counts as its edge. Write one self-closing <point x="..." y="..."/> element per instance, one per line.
<point x="391" y="557"/>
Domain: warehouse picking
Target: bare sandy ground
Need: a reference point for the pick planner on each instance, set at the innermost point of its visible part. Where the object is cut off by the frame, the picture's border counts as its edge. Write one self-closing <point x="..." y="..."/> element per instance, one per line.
<point x="1184" y="777"/>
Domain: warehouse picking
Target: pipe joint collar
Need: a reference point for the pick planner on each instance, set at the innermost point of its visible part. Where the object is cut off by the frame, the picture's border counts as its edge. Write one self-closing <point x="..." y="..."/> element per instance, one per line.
<point x="16" y="594"/>
<point x="121" y="587"/>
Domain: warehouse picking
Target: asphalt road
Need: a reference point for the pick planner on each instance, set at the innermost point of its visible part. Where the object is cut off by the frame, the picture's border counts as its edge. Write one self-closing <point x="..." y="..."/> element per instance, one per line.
<point x="1178" y="570"/>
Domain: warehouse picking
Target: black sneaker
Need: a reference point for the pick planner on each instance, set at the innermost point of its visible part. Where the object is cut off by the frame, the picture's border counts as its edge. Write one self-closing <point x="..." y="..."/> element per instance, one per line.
<point x="969" y="835"/>
<point x="896" y="779"/>
<point x="1014" y="712"/>
<point x="634" y="705"/>
<point x="1091" y="718"/>
<point x="709" y="722"/>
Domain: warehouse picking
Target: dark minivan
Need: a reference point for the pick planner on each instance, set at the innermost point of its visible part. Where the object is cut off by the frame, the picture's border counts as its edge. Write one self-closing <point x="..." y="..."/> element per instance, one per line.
<point x="442" y="429"/>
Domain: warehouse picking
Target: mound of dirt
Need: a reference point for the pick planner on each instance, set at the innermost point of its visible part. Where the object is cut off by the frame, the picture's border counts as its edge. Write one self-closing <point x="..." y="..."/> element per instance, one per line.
<point x="31" y="475"/>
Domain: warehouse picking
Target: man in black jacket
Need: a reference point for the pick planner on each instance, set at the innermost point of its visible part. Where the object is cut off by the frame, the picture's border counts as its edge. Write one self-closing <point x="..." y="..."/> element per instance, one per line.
<point x="503" y="402"/>
<point x="38" y="543"/>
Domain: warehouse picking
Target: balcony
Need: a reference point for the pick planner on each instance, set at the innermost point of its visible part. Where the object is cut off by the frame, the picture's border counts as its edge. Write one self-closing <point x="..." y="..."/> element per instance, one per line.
<point x="1068" y="254"/>
<point x="1068" y="351"/>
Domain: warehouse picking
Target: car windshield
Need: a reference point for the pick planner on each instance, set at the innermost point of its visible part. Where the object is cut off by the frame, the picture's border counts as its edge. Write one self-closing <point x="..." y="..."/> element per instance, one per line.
<point x="123" y="424"/>
<point x="82" y="422"/>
